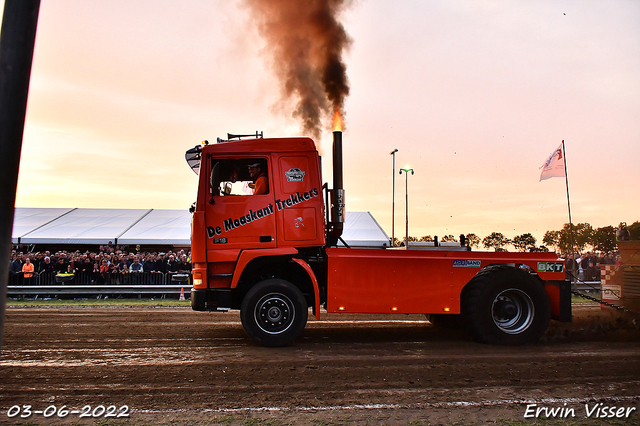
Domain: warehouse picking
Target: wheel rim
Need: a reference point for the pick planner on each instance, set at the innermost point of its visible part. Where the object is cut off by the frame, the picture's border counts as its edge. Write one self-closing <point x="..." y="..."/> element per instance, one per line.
<point x="274" y="313"/>
<point x="512" y="311"/>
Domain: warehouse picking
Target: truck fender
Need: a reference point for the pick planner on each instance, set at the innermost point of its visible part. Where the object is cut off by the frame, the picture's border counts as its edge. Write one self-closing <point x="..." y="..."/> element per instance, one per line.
<point x="247" y="256"/>
<point x="314" y="281"/>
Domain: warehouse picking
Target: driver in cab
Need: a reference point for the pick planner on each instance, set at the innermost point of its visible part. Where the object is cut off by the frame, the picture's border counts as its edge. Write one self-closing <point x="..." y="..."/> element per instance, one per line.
<point x="260" y="183"/>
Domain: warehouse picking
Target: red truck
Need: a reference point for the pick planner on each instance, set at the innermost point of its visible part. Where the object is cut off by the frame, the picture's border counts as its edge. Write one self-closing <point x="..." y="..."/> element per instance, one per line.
<point x="274" y="255"/>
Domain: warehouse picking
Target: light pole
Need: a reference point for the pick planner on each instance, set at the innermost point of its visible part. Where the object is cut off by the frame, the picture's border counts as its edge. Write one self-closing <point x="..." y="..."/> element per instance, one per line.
<point x="406" y="171"/>
<point x="393" y="203"/>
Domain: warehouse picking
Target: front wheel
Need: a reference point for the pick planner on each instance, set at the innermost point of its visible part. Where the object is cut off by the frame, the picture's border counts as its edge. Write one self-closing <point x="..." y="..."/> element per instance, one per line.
<point x="505" y="305"/>
<point x="274" y="312"/>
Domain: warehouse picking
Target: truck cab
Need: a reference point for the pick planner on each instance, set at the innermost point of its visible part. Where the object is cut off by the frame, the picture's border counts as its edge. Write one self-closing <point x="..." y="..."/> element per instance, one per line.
<point x="232" y="225"/>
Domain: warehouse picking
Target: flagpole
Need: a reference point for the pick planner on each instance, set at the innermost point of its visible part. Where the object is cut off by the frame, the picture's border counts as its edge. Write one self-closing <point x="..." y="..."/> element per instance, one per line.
<point x="566" y="175"/>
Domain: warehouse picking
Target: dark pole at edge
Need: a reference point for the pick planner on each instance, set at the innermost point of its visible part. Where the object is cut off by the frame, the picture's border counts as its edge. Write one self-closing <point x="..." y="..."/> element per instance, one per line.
<point x="17" y="40"/>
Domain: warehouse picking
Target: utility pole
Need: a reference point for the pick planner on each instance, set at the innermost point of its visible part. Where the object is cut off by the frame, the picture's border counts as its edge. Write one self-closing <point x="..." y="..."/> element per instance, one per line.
<point x="406" y="171"/>
<point x="393" y="202"/>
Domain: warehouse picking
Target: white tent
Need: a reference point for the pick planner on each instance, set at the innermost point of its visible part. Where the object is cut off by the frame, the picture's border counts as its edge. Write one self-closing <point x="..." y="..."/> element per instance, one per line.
<point x="29" y="219"/>
<point x="141" y="226"/>
<point x="84" y="226"/>
<point x="172" y="227"/>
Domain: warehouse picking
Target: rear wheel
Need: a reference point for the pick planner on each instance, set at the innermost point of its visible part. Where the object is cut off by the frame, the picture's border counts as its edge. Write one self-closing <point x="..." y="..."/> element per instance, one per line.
<point x="274" y="312"/>
<point x="506" y="305"/>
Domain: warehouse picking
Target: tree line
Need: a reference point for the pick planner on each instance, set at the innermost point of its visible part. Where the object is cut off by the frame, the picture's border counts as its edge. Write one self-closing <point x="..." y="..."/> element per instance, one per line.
<point x="584" y="237"/>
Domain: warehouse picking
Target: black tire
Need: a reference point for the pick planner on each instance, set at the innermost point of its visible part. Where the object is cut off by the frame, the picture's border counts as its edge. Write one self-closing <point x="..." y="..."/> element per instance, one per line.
<point x="505" y="305"/>
<point x="274" y="312"/>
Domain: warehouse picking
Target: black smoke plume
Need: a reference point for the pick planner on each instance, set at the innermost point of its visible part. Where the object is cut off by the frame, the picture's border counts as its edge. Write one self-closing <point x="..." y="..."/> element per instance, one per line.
<point x="307" y="43"/>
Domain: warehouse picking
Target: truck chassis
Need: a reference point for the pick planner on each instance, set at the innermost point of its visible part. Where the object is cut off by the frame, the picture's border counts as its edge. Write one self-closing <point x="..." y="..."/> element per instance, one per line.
<point x="275" y="255"/>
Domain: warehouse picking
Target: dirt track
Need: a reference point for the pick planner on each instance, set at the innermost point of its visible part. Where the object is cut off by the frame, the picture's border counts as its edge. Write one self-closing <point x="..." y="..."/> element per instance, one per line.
<point x="171" y="364"/>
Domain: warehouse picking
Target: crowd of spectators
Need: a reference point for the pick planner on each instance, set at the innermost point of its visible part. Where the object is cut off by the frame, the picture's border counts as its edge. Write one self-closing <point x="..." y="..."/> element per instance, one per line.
<point x="109" y="265"/>
<point x="586" y="266"/>
<point x="115" y="265"/>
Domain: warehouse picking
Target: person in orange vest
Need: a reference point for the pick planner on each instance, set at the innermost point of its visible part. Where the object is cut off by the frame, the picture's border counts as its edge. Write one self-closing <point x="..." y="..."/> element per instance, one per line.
<point x="261" y="184"/>
<point x="27" y="271"/>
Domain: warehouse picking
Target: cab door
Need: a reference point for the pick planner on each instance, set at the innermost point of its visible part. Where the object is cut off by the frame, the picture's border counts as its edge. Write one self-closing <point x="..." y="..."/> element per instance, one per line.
<point x="298" y="200"/>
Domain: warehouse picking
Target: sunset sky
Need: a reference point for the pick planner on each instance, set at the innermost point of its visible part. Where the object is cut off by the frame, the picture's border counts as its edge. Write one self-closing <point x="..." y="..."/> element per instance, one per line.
<point x="474" y="95"/>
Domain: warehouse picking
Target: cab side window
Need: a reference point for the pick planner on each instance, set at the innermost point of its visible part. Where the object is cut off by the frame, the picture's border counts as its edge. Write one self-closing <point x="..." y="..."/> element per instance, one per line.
<point x="244" y="176"/>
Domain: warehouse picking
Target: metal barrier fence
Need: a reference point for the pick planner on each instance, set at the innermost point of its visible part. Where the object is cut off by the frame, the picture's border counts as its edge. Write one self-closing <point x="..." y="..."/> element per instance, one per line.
<point x="587" y="286"/>
<point x="105" y="290"/>
<point x="114" y="284"/>
<point x="94" y="278"/>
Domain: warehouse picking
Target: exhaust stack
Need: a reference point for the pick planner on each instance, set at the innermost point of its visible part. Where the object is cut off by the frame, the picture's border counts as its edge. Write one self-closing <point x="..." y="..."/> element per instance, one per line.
<point x="336" y="225"/>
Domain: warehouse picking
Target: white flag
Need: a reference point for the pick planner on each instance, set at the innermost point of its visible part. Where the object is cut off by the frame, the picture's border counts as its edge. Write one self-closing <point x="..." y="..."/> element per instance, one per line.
<point x="554" y="166"/>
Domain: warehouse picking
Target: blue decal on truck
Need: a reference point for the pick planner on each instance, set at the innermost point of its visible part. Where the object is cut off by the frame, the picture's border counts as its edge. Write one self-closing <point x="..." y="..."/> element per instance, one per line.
<point x="467" y="263"/>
